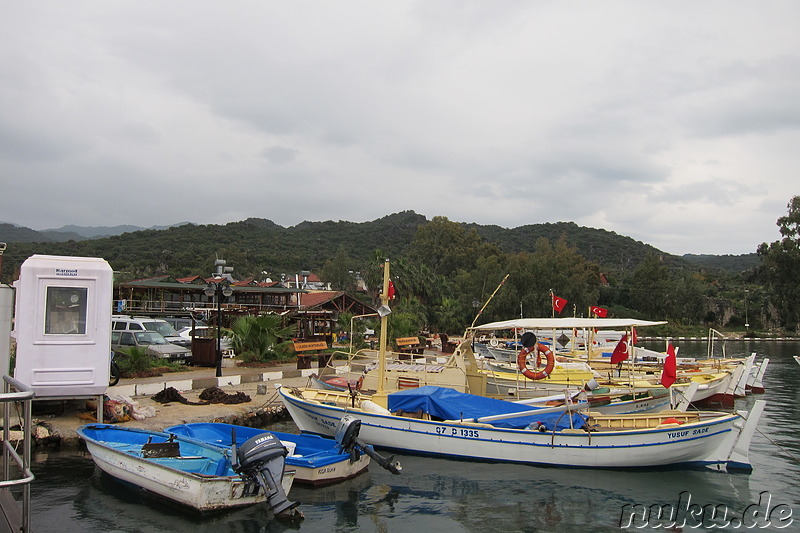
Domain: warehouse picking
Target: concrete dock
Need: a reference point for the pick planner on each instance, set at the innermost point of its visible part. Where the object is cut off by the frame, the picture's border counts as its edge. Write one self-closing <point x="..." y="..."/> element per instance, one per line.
<point x="56" y="421"/>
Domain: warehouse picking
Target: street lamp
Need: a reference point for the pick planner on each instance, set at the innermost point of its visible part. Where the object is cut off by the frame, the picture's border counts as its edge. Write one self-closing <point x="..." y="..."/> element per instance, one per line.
<point x="746" y="320"/>
<point x="219" y="289"/>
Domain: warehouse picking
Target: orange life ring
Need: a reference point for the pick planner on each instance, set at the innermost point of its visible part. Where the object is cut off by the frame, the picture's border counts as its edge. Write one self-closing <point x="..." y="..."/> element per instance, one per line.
<point x="541" y="349"/>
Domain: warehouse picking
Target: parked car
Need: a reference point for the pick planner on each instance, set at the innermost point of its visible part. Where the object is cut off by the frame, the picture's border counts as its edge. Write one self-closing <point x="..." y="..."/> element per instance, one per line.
<point x="181" y="322"/>
<point x="140" y="323"/>
<point x="153" y="342"/>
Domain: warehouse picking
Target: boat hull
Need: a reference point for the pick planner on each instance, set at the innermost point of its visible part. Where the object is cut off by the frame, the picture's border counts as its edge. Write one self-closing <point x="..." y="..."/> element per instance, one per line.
<point x="705" y="442"/>
<point x="203" y="492"/>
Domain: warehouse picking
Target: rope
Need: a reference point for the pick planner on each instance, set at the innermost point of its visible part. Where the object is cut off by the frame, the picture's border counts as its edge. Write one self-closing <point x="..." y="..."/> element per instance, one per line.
<point x="789" y="453"/>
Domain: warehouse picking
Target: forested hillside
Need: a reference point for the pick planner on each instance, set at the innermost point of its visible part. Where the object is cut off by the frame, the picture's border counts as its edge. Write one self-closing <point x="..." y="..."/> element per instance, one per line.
<point x="442" y="268"/>
<point x="256" y="245"/>
<point x="251" y="246"/>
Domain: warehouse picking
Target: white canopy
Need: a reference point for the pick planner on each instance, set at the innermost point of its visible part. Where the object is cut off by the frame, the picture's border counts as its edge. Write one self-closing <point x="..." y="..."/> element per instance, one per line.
<point x="567" y="323"/>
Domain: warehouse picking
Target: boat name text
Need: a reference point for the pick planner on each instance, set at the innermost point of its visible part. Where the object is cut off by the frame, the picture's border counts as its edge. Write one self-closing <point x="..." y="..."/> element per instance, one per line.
<point x="685" y="433"/>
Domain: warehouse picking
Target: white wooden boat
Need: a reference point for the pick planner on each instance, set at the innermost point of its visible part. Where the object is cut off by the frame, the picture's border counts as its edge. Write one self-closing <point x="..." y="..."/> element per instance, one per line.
<point x="602" y="441"/>
<point x="194" y="474"/>
<point x="441" y="421"/>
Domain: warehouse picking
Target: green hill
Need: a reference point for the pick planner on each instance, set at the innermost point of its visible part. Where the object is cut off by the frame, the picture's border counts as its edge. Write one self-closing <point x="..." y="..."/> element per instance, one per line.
<point x="256" y="245"/>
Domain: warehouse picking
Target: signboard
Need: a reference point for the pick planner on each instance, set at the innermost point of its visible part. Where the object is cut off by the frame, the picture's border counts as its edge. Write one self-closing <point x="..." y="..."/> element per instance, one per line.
<point x="407" y="341"/>
<point x="304" y="346"/>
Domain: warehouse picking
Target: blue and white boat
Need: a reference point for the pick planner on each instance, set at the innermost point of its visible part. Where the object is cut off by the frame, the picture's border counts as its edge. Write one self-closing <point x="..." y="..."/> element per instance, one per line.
<point x="443" y="422"/>
<point x="316" y="460"/>
<point x="194" y="474"/>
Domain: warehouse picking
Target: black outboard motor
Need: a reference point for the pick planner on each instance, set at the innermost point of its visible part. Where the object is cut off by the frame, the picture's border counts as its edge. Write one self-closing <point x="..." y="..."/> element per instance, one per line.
<point x="260" y="461"/>
<point x="347" y="437"/>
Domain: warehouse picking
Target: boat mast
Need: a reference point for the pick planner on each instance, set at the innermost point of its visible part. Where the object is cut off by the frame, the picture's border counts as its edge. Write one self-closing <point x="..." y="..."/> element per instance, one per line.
<point x="380" y="397"/>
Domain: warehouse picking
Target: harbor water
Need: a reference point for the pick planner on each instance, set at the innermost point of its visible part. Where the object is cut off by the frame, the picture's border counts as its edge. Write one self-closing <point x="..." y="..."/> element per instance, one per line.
<point x="70" y="494"/>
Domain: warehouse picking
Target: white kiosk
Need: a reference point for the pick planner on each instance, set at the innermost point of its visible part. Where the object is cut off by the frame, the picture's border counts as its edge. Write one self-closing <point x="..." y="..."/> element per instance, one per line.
<point x="62" y="326"/>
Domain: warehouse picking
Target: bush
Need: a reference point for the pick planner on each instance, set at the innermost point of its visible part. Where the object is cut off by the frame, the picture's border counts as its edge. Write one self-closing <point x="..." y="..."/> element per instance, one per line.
<point x="136" y="362"/>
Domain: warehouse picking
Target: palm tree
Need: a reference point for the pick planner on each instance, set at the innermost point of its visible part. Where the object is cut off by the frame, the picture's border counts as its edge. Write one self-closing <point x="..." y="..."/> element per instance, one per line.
<point x="262" y="336"/>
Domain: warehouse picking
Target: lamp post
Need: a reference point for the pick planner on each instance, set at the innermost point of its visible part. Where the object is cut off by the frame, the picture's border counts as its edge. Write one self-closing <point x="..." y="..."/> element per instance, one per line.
<point x="746" y="319"/>
<point x="218" y="289"/>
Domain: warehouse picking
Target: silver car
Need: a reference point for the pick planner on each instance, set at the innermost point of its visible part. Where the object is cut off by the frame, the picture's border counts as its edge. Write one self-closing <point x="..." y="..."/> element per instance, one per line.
<point x="153" y="342"/>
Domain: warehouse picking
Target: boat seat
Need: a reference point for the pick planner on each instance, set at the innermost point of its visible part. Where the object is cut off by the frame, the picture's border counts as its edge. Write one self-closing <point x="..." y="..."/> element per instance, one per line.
<point x="197" y="465"/>
<point x="639" y="420"/>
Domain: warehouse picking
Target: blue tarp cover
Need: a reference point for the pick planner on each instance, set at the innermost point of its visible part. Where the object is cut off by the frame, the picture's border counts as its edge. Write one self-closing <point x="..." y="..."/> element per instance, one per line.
<point x="448" y="404"/>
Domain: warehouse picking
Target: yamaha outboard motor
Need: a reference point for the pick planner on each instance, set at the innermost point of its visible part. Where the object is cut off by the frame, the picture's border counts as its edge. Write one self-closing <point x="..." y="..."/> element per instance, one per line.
<point x="260" y="461"/>
<point x="347" y="437"/>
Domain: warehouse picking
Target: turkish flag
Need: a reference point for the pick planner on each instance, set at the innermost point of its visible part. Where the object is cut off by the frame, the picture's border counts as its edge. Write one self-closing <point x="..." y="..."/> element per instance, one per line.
<point x="670" y="372"/>
<point x="391" y="292"/>
<point x="621" y="351"/>
<point x="600" y="312"/>
<point x="559" y="303"/>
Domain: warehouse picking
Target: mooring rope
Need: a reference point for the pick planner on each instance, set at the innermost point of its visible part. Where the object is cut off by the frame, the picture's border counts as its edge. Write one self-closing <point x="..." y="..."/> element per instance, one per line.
<point x="788" y="452"/>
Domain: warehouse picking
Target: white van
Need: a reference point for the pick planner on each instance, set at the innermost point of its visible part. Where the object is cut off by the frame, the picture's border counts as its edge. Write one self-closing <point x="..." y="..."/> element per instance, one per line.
<point x="144" y="323"/>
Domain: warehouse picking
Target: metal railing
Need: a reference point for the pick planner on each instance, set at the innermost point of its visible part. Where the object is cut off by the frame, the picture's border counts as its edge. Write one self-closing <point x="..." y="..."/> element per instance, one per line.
<point x="22" y="395"/>
<point x="167" y="307"/>
<point x="713" y="337"/>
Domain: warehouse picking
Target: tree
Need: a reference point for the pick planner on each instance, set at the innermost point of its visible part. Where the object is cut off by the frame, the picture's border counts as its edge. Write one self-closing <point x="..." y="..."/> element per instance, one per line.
<point x="559" y="268"/>
<point x="263" y="337"/>
<point x="447" y="247"/>
<point x="338" y="271"/>
<point x="650" y="287"/>
<point x="780" y="268"/>
<point x="451" y="316"/>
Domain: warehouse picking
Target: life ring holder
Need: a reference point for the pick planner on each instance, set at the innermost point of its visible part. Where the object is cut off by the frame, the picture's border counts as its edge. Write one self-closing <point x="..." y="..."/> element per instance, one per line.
<point x="541" y="349"/>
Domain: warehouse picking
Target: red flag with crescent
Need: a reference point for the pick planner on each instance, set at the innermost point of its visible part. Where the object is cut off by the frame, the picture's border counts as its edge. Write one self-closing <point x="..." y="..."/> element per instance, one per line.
<point x="558" y="303"/>
<point x="621" y="351"/>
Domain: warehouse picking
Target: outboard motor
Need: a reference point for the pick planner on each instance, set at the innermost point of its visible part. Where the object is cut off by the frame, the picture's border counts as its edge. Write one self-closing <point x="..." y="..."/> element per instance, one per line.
<point x="347" y="437"/>
<point x="260" y="461"/>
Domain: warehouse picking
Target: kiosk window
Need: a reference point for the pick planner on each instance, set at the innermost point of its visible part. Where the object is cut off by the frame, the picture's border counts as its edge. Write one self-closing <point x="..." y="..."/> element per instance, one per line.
<point x="65" y="311"/>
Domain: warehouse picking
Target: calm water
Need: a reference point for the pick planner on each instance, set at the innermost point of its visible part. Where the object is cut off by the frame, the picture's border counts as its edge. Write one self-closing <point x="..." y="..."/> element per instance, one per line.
<point x="70" y="494"/>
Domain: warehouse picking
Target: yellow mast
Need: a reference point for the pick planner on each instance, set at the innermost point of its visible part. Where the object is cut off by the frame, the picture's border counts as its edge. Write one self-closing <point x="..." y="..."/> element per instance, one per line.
<point x="380" y="397"/>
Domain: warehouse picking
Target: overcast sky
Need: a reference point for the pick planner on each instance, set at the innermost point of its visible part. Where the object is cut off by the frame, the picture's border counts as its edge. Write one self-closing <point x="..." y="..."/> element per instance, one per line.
<point x="675" y="123"/>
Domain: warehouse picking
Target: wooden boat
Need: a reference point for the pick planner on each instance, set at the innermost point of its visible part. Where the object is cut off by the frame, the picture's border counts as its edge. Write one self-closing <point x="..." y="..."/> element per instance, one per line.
<point x="316" y="460"/>
<point x="440" y="421"/>
<point x="194" y="474"/>
<point x="444" y="422"/>
<point x="721" y="380"/>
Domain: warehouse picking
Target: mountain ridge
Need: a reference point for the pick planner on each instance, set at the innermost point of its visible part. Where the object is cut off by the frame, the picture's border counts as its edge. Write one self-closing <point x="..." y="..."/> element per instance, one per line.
<point x="256" y="241"/>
